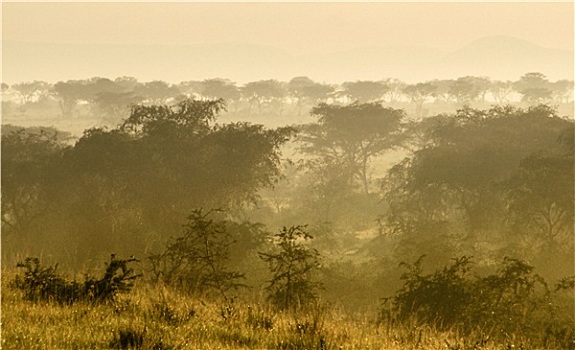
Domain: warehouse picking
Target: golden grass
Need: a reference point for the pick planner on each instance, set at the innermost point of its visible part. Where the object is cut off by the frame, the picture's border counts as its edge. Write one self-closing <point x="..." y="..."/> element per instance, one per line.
<point x="155" y="317"/>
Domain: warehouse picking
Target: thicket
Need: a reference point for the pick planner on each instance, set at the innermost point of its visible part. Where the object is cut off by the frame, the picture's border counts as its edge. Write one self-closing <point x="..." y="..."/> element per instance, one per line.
<point x="513" y="302"/>
<point x="44" y="283"/>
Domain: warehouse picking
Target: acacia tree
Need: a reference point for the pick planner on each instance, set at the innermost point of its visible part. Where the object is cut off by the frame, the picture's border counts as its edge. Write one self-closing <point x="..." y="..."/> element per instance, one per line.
<point x="501" y="90"/>
<point x="441" y="93"/>
<point x="418" y="94"/>
<point x="394" y="89"/>
<point x="348" y="137"/>
<point x="221" y="88"/>
<point x="307" y="92"/>
<point x="68" y="93"/>
<point x="535" y="88"/>
<point x="466" y="89"/>
<point x="562" y="90"/>
<point x="31" y="91"/>
<point x="364" y="91"/>
<point x="292" y="266"/>
<point x="157" y="92"/>
<point x="264" y="92"/>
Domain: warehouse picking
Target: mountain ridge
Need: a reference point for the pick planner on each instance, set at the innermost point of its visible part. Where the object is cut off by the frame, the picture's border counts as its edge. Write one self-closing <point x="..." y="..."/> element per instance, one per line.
<point x="499" y="57"/>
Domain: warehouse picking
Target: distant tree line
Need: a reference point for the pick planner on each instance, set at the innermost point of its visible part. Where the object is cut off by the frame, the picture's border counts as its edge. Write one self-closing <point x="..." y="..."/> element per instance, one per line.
<point x="111" y="99"/>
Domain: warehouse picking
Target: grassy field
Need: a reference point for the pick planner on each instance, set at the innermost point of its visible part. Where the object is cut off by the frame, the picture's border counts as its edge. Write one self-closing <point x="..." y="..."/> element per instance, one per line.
<point x="156" y="317"/>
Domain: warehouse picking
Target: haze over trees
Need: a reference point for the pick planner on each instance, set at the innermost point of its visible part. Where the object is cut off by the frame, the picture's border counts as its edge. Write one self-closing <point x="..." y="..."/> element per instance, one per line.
<point x="219" y="207"/>
<point x="105" y="102"/>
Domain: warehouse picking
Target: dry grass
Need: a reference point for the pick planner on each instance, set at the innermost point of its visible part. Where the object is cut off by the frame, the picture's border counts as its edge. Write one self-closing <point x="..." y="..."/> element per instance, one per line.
<point x="155" y="317"/>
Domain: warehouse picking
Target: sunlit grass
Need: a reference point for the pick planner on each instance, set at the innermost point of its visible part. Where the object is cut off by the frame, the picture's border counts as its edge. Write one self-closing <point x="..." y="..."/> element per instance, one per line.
<point x="156" y="317"/>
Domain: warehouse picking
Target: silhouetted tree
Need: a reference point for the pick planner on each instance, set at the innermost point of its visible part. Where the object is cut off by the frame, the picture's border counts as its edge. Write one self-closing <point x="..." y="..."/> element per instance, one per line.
<point x="364" y="91"/>
<point x="68" y="93"/>
<point x="350" y="136"/>
<point x="534" y="87"/>
<point x="31" y="91"/>
<point x="264" y="92"/>
<point x="418" y="94"/>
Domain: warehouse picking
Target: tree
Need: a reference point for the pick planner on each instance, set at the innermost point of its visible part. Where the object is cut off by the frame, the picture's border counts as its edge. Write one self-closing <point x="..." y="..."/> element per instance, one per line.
<point x="465" y="90"/>
<point x="542" y="199"/>
<point x="562" y="90"/>
<point x="350" y="136"/>
<point x="28" y="161"/>
<point x="31" y="91"/>
<point x="157" y="92"/>
<point x="534" y="87"/>
<point x="482" y="86"/>
<point x="264" y="92"/>
<point x="418" y="94"/>
<point x="364" y="91"/>
<point x="191" y="88"/>
<point x="395" y="89"/>
<point x="501" y="90"/>
<point x="92" y="89"/>
<point x="442" y="93"/>
<point x="126" y="188"/>
<point x="115" y="106"/>
<point x="221" y="88"/>
<point x="454" y="191"/>
<point x="68" y="93"/>
<point x="296" y="88"/>
<point x="292" y="266"/>
<point x="307" y="92"/>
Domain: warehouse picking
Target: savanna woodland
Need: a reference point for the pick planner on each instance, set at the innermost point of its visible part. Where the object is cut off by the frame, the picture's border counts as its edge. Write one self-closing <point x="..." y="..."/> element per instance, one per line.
<point x="288" y="215"/>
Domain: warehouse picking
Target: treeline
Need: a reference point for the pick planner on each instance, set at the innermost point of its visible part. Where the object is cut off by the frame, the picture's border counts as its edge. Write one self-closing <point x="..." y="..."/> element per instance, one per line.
<point x="485" y="183"/>
<point x="110" y="99"/>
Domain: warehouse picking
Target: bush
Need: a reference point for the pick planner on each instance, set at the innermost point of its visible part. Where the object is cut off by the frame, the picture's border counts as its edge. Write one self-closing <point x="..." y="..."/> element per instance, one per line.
<point x="198" y="261"/>
<point x="43" y="283"/>
<point x="513" y="300"/>
<point x="292" y="266"/>
<point x="439" y="299"/>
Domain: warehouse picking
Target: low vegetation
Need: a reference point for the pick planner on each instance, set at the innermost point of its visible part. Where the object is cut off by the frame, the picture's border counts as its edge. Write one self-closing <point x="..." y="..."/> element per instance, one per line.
<point x="43" y="283"/>
<point x="448" y="309"/>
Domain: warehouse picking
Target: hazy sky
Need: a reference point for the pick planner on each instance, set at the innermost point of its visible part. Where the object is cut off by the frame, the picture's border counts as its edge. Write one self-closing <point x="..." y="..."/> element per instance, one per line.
<point x="298" y="28"/>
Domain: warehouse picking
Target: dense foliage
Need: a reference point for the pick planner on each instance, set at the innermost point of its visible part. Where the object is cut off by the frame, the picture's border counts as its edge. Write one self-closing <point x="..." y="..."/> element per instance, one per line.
<point x="487" y="183"/>
<point x="126" y="189"/>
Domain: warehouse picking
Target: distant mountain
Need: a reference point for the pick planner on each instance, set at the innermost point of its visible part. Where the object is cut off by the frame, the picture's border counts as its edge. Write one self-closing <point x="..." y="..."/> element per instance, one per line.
<point x="496" y="57"/>
<point x="507" y="58"/>
<point x="372" y="63"/>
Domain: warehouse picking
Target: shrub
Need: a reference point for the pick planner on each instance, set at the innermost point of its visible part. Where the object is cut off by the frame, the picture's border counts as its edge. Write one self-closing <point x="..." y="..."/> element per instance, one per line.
<point x="43" y="283"/>
<point x="198" y="260"/>
<point x="439" y="299"/>
<point x="292" y="266"/>
<point x="513" y="300"/>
